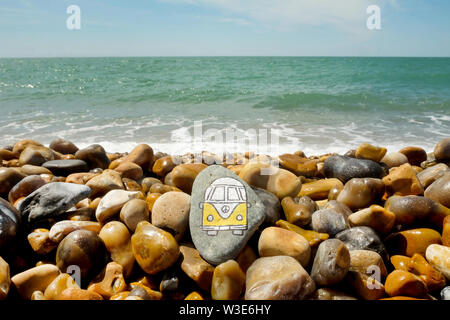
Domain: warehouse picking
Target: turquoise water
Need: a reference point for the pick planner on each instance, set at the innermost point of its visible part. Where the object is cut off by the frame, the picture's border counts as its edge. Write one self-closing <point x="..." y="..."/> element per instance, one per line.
<point x="314" y="104"/>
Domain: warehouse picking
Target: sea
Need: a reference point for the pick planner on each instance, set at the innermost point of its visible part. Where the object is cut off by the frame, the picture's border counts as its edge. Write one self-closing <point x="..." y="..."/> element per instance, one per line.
<point x="272" y="105"/>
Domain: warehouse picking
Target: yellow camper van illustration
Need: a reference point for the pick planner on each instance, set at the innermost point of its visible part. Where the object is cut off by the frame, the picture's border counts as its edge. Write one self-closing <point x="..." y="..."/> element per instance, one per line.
<point x="225" y="207"/>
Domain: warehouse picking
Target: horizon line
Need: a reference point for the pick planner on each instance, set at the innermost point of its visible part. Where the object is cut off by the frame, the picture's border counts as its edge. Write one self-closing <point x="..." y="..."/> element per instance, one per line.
<point x="218" y="56"/>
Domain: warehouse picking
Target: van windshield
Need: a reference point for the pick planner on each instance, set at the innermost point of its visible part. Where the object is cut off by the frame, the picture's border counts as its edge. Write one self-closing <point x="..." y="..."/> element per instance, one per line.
<point x="233" y="194"/>
<point x="218" y="194"/>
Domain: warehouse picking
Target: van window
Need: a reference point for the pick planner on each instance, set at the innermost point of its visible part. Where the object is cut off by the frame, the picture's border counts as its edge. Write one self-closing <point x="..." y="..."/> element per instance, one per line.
<point x="218" y="194"/>
<point x="243" y="194"/>
<point x="233" y="194"/>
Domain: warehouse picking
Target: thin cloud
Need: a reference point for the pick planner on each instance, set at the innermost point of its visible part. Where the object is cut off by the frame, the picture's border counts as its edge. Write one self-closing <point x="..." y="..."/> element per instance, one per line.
<point x="238" y="21"/>
<point x="347" y="15"/>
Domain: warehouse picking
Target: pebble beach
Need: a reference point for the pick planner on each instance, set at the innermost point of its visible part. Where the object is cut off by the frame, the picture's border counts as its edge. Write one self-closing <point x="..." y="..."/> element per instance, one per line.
<point x="85" y="223"/>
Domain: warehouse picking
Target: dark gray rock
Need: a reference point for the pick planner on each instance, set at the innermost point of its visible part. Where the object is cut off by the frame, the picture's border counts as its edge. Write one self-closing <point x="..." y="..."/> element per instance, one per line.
<point x="225" y="212"/>
<point x="345" y="168"/>
<point x="63" y="168"/>
<point x="272" y="204"/>
<point x="362" y="238"/>
<point x="9" y="224"/>
<point x="95" y="156"/>
<point x="329" y="221"/>
<point x="52" y="200"/>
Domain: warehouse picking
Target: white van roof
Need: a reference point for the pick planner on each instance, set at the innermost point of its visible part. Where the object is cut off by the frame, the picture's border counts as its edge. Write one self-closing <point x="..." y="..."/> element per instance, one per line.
<point x="227" y="181"/>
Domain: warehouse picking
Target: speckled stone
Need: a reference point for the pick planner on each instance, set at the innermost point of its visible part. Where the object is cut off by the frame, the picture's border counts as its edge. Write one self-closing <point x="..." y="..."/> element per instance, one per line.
<point x="224" y="245"/>
<point x="346" y="168"/>
<point x="362" y="238"/>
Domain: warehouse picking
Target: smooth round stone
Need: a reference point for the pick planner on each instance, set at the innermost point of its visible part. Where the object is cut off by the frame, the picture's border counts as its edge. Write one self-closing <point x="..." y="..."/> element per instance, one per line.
<point x="411" y="209"/>
<point x="94" y="155"/>
<point x="52" y="200"/>
<point x="154" y="249"/>
<point x="298" y="165"/>
<point x="360" y="193"/>
<point x="62" y="228"/>
<point x="272" y="204"/>
<point x="346" y="168"/>
<point x="171" y="212"/>
<point x="376" y="217"/>
<point x="415" y="155"/>
<point x="142" y="155"/>
<point x="331" y="263"/>
<point x="362" y="238"/>
<point x="25" y="187"/>
<point x="219" y="245"/>
<point x="412" y="241"/>
<point x="329" y="221"/>
<point x="34" y="279"/>
<point x="117" y="240"/>
<point x="130" y="170"/>
<point x="445" y="293"/>
<point x="278" y="278"/>
<point x="402" y="181"/>
<point x="433" y="279"/>
<point x="164" y="165"/>
<point x="320" y="189"/>
<point x="8" y="179"/>
<point x="299" y="211"/>
<point x="367" y="287"/>
<point x="439" y="257"/>
<point x="403" y="283"/>
<point x="23" y="144"/>
<point x="442" y="150"/>
<point x="7" y="154"/>
<point x="394" y="159"/>
<point x="364" y="261"/>
<point x="29" y="170"/>
<point x="63" y="146"/>
<point x="183" y="175"/>
<point x="10" y="220"/>
<point x="105" y="182"/>
<point x="112" y="202"/>
<point x="35" y="155"/>
<point x="133" y="212"/>
<point x="5" y="280"/>
<point x="431" y="174"/>
<point x="81" y="178"/>
<point x="84" y="249"/>
<point x="370" y="152"/>
<point x="280" y="182"/>
<point x="64" y="168"/>
<point x="228" y="281"/>
<point x="339" y="207"/>
<point x="439" y="190"/>
<point x="275" y="241"/>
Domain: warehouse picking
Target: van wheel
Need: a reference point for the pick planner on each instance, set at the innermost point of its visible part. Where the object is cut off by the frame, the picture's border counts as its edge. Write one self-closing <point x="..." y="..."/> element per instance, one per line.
<point x="212" y="233"/>
<point x="238" y="232"/>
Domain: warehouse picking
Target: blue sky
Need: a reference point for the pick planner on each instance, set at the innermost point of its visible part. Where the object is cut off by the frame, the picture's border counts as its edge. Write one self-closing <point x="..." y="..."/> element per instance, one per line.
<point x="37" y="28"/>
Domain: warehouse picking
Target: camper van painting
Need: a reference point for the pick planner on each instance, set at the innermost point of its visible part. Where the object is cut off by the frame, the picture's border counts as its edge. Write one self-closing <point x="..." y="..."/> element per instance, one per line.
<point x="225" y="207"/>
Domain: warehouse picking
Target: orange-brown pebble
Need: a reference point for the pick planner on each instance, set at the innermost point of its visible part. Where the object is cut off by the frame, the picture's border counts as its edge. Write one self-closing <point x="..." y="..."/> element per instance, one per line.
<point x="403" y="283"/>
<point x="402" y="181"/>
<point x="196" y="267"/>
<point x="412" y="241"/>
<point x="194" y="296"/>
<point x="320" y="189"/>
<point x="79" y="294"/>
<point x="314" y="238"/>
<point x="112" y="282"/>
<point x="446" y="231"/>
<point x="151" y="198"/>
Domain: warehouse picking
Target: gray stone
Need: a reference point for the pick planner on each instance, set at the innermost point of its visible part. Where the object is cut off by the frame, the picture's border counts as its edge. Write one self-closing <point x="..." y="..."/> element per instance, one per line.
<point x="65" y="167"/>
<point x="9" y="224"/>
<point x="345" y="168"/>
<point x="445" y="293"/>
<point x="329" y="221"/>
<point x="272" y="204"/>
<point x="52" y="200"/>
<point x="222" y="236"/>
<point x="362" y="238"/>
<point x="331" y="263"/>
